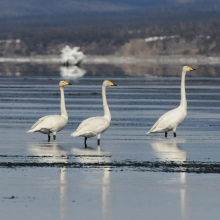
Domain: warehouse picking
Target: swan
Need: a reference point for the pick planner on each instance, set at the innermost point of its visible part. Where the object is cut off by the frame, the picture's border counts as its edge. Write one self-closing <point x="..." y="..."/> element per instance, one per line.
<point x="95" y="126"/>
<point x="53" y="123"/>
<point x="170" y="120"/>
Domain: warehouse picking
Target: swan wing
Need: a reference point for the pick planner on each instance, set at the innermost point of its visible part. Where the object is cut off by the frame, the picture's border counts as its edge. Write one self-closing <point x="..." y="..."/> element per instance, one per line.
<point x="84" y="123"/>
<point x="168" y="121"/>
<point x="92" y="126"/>
<point x="50" y="122"/>
<point x="38" y="122"/>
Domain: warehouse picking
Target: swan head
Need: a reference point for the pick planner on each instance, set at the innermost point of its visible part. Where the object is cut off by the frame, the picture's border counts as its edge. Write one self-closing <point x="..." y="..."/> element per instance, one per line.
<point x="188" y="68"/>
<point x="108" y="83"/>
<point x="63" y="83"/>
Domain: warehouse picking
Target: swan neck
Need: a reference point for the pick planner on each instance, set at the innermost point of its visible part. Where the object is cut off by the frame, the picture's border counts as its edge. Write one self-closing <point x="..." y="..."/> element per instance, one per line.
<point x="62" y="104"/>
<point x="183" y="102"/>
<point x="107" y="113"/>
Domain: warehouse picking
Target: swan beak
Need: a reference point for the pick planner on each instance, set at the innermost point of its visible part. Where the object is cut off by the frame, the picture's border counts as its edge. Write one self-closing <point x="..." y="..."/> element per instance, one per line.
<point x="66" y="83"/>
<point x="112" y="84"/>
<point x="191" y="69"/>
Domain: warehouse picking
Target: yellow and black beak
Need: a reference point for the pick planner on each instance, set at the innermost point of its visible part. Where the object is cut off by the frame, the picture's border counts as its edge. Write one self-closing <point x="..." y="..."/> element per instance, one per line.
<point x="66" y="83"/>
<point x="191" y="69"/>
<point x="112" y="84"/>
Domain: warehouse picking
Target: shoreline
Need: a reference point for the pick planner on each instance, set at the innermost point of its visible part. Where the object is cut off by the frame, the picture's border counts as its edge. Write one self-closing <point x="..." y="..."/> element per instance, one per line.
<point x="117" y="60"/>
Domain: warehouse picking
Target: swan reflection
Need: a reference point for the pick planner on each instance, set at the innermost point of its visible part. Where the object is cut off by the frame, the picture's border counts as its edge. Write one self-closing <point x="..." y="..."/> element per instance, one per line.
<point x="91" y="155"/>
<point x="51" y="152"/>
<point x="71" y="72"/>
<point x="169" y="150"/>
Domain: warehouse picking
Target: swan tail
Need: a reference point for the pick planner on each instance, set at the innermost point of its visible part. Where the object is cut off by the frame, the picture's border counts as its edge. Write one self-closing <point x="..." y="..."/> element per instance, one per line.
<point x="30" y="131"/>
<point x="75" y="134"/>
<point x="158" y="130"/>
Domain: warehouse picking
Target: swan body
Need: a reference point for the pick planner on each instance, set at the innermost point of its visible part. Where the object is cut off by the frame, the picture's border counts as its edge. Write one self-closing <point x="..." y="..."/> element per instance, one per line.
<point x="49" y="124"/>
<point x="169" y="121"/>
<point x="53" y="123"/>
<point x="172" y="119"/>
<point x="95" y="126"/>
<point x="92" y="127"/>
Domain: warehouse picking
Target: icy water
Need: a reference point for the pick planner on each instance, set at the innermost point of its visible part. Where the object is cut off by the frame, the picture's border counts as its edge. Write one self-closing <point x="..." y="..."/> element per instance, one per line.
<point x="131" y="175"/>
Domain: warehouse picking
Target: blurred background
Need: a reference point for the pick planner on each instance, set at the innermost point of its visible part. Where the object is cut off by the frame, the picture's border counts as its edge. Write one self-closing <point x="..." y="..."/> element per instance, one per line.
<point x="158" y="37"/>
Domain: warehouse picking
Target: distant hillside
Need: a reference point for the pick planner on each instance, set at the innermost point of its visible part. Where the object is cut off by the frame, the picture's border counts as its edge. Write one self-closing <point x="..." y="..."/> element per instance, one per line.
<point x="187" y="29"/>
<point x="175" y="46"/>
<point x="167" y="39"/>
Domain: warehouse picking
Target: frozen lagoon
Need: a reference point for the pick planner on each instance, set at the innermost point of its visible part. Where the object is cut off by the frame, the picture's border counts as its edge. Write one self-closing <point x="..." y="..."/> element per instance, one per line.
<point x="49" y="180"/>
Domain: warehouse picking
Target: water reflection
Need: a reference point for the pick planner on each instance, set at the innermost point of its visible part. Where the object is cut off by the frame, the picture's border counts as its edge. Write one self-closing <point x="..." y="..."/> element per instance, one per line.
<point x="71" y="72"/>
<point x="102" y="70"/>
<point x="29" y="69"/>
<point x="88" y="155"/>
<point x="106" y="195"/>
<point x="51" y="152"/>
<point x="48" y="152"/>
<point x="169" y="150"/>
<point x="63" y="194"/>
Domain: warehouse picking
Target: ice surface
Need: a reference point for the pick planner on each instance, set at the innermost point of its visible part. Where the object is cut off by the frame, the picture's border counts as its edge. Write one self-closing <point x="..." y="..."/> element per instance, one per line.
<point x="106" y="192"/>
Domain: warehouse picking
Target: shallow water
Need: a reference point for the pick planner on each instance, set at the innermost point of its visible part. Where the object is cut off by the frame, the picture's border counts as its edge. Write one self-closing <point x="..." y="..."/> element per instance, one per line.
<point x="62" y="179"/>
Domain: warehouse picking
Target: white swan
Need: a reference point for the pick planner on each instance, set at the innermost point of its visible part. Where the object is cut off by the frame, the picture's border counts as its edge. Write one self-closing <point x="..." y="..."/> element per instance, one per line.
<point x="95" y="126"/>
<point x="53" y="123"/>
<point x="170" y="120"/>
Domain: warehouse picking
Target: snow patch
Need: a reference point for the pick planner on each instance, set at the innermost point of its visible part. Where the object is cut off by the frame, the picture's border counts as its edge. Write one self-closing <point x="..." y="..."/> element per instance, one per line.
<point x="156" y="38"/>
<point x="17" y="41"/>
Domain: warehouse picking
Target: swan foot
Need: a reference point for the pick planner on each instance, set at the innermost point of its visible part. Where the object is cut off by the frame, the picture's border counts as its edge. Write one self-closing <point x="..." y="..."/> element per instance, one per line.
<point x="85" y="142"/>
<point x="98" y="142"/>
<point x="54" y="137"/>
<point x="174" y="134"/>
<point x="165" y="134"/>
<point x="48" y="138"/>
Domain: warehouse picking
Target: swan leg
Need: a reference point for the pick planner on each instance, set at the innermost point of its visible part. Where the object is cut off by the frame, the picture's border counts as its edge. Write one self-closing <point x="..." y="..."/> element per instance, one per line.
<point x="165" y="134"/>
<point x="85" y="142"/>
<point x="48" y="137"/>
<point x="174" y="132"/>
<point x="98" y="139"/>
<point x="54" y="135"/>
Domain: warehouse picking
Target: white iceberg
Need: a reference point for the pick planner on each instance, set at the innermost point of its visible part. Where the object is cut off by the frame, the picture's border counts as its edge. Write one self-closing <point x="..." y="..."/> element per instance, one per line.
<point x="71" y="56"/>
